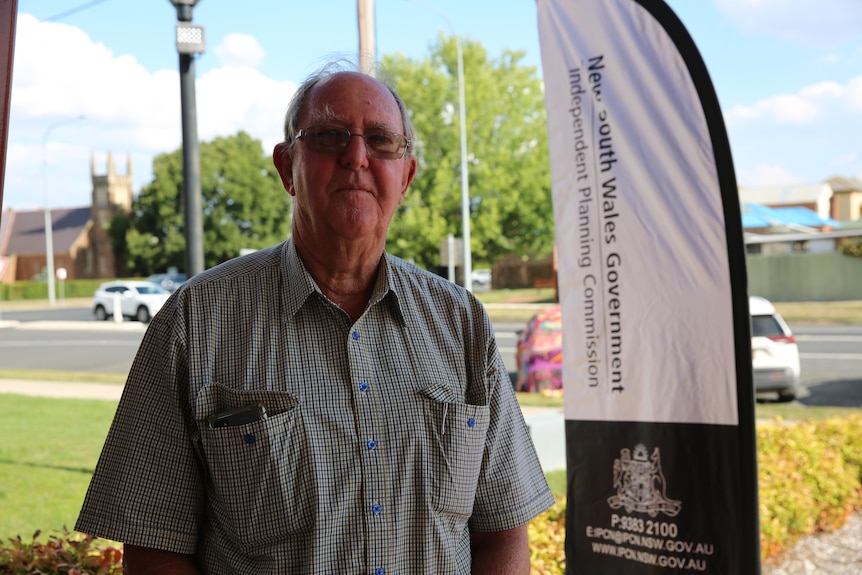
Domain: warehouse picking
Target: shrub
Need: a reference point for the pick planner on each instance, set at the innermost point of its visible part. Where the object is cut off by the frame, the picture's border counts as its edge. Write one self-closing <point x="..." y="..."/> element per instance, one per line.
<point x="852" y="248"/>
<point x="809" y="478"/>
<point x="64" y="554"/>
<point x="548" y="541"/>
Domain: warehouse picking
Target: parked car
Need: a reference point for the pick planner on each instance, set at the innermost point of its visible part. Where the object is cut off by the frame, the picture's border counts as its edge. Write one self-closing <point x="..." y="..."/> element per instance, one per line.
<point x="169" y="281"/>
<point x="774" y="353"/>
<point x="481" y="279"/>
<point x="138" y="300"/>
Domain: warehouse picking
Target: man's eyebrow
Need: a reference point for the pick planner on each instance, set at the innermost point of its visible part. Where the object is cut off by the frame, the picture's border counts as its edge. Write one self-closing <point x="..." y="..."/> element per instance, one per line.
<point x="326" y="116"/>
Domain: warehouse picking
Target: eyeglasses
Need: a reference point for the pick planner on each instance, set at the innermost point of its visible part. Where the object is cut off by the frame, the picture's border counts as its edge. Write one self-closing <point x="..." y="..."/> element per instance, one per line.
<point x="379" y="143"/>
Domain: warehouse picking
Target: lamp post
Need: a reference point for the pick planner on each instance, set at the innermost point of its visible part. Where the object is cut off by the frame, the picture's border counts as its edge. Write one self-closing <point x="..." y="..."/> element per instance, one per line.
<point x="190" y="41"/>
<point x="49" y="224"/>
<point x="462" y="116"/>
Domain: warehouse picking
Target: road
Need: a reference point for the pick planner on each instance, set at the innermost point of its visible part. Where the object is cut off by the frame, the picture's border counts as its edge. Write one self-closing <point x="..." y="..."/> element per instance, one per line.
<point x="69" y="339"/>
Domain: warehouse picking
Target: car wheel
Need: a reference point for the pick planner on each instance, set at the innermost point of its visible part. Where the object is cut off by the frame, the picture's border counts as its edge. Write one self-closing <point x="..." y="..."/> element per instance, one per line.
<point x="786" y="395"/>
<point x="143" y="315"/>
<point x="100" y="313"/>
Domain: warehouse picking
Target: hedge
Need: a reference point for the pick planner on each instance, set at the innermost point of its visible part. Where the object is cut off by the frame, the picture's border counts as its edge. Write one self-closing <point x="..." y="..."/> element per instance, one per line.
<point x="810" y="480"/>
<point x="38" y="290"/>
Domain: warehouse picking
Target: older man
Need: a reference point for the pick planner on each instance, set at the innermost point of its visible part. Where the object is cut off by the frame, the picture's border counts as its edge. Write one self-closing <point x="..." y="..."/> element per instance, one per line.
<point x="322" y="406"/>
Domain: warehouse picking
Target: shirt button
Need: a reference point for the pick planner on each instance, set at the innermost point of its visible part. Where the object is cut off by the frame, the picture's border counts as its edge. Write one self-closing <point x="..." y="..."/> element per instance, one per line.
<point x="355" y="335"/>
<point x="376" y="509"/>
<point x="471" y="422"/>
<point x="371" y="444"/>
<point x="249" y="438"/>
<point x="380" y="571"/>
<point x="363" y="386"/>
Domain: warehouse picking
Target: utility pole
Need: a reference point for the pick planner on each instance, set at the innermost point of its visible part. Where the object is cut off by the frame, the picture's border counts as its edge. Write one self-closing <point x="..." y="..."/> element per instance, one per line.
<point x="367" y="48"/>
<point x="190" y="41"/>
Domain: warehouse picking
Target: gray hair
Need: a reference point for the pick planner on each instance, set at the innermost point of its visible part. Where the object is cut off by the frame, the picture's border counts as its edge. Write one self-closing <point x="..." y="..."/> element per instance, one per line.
<point x="300" y="98"/>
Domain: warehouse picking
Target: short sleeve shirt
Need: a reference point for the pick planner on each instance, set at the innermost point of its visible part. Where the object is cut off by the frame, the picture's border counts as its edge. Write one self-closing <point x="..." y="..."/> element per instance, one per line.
<point x="384" y="441"/>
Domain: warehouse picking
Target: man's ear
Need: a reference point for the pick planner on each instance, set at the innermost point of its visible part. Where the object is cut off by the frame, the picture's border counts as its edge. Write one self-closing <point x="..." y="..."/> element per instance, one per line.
<point x="284" y="164"/>
<point x="408" y="175"/>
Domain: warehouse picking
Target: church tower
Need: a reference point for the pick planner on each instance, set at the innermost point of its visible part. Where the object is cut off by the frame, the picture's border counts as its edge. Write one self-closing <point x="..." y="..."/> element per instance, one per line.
<point x="113" y="193"/>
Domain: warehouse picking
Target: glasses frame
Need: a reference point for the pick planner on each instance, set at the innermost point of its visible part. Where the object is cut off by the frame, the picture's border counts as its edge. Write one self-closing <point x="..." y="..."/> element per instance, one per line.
<point x="403" y="140"/>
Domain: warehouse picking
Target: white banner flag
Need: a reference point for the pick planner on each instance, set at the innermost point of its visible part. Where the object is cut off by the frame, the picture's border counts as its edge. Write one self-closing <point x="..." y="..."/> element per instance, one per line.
<point x="656" y="343"/>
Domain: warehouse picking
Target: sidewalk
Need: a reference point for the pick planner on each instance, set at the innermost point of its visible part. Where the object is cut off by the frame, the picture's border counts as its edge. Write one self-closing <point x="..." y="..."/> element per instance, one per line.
<point x="62" y="390"/>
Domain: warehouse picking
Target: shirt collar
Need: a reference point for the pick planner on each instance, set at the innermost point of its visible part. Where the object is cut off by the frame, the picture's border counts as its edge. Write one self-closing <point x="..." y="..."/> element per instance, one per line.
<point x="300" y="284"/>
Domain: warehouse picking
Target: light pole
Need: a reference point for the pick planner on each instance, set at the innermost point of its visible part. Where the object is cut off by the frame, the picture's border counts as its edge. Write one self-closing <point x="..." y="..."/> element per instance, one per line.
<point x="462" y="116"/>
<point x="49" y="224"/>
<point x="190" y="41"/>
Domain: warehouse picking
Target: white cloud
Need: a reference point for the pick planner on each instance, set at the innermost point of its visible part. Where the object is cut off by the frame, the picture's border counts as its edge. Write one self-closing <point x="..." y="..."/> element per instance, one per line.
<point x="766" y="176"/>
<point x="778" y="139"/>
<point x="806" y="22"/>
<point x="240" y="50"/>
<point x="854" y="93"/>
<point x="783" y="109"/>
<point x="60" y="73"/>
<point x="233" y="99"/>
<point x="844" y="160"/>
<point x="811" y="104"/>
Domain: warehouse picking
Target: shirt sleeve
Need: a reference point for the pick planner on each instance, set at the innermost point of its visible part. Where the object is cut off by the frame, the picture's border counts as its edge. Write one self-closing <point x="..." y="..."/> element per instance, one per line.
<point x="512" y="488"/>
<point x="147" y="489"/>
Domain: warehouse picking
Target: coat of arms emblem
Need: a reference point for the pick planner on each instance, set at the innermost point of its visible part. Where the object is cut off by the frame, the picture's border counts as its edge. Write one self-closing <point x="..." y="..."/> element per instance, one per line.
<point x="640" y="484"/>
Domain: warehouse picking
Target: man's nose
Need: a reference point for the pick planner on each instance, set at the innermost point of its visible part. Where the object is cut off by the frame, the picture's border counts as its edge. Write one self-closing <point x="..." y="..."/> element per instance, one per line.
<point x="355" y="154"/>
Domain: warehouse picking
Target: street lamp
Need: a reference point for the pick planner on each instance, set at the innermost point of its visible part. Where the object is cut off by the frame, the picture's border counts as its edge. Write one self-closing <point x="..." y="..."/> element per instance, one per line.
<point x="49" y="224"/>
<point x="462" y="115"/>
<point x="190" y="41"/>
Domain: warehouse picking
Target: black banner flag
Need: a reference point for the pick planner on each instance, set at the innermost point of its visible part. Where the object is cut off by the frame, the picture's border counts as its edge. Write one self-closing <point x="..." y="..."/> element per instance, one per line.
<point x="659" y="400"/>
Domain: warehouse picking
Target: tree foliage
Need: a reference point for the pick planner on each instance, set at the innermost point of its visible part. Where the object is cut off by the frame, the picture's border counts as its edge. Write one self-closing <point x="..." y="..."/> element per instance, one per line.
<point x="244" y="206"/>
<point x="509" y="175"/>
<point x="852" y="247"/>
<point x="510" y="207"/>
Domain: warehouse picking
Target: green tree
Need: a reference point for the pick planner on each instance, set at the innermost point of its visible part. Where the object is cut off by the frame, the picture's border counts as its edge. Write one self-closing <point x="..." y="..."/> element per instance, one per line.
<point x="244" y="206"/>
<point x="509" y="175"/>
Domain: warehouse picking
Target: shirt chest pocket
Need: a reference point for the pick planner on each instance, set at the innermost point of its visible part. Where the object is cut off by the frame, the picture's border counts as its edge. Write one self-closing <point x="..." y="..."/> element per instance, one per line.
<point x="456" y="433"/>
<point x="262" y="483"/>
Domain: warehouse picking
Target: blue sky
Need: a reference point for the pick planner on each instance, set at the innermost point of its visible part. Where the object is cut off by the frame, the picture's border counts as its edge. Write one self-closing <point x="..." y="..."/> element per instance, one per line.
<point x="788" y="74"/>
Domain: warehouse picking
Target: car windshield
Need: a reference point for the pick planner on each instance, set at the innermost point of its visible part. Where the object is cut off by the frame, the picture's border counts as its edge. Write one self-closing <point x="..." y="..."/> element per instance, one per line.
<point x="151" y="289"/>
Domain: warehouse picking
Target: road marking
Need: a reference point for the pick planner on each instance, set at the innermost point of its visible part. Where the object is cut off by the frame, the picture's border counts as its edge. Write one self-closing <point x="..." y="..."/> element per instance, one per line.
<point x="844" y="356"/>
<point x="811" y="337"/>
<point x="67" y="343"/>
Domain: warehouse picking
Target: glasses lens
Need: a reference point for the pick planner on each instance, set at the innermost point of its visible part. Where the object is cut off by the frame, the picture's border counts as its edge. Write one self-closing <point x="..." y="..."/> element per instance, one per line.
<point x="326" y="138"/>
<point x="384" y="143"/>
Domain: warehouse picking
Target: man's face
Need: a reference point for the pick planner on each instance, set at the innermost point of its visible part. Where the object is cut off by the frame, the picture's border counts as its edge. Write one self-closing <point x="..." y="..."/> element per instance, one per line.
<point x="348" y="195"/>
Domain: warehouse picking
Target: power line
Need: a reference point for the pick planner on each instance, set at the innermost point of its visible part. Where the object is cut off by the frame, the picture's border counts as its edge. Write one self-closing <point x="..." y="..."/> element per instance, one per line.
<point x="73" y="10"/>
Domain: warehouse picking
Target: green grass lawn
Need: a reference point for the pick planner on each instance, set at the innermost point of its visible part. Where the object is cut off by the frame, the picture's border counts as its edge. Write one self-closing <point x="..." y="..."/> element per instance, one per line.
<point x="48" y="453"/>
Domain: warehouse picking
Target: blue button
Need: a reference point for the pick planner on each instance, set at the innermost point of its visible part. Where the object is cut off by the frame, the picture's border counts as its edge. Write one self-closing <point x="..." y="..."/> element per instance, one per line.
<point x="380" y="571"/>
<point x="371" y="444"/>
<point x="375" y="509"/>
<point x="355" y="335"/>
<point x="363" y="386"/>
<point x="471" y="422"/>
<point x="249" y="438"/>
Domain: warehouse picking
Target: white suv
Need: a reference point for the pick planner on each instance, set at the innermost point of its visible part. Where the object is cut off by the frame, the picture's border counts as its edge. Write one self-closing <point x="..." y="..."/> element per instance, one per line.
<point x="139" y="300"/>
<point x="774" y="354"/>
